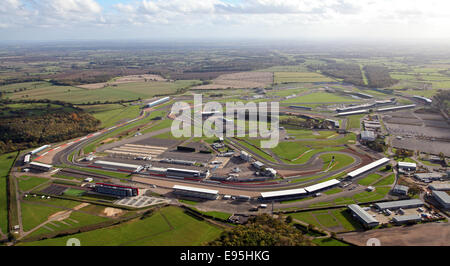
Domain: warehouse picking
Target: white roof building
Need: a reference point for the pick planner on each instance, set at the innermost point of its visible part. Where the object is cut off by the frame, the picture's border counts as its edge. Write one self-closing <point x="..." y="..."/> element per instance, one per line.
<point x="407" y="165"/>
<point x="368" y="167"/>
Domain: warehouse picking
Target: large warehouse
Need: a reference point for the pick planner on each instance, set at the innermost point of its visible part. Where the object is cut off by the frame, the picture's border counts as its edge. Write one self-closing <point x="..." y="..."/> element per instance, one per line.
<point x="196" y="192"/>
<point x="118" y="166"/>
<point x="404" y="204"/>
<point x="368" y="167"/>
<point x="40" y="166"/>
<point x="443" y="198"/>
<point x="365" y="218"/>
<point x="283" y="194"/>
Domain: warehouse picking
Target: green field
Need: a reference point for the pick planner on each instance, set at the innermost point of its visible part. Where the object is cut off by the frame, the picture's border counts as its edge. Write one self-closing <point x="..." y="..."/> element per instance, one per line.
<point x="34" y="214"/>
<point x="29" y="182"/>
<point x="300" y="77"/>
<point x="169" y="226"/>
<point x="338" y="219"/>
<point x="6" y="161"/>
<point x="310" y="134"/>
<point x="319" y="97"/>
<point x="299" y="152"/>
<point x="74" y="192"/>
<point x="329" y="242"/>
<point x="125" y="91"/>
<point x="354" y="121"/>
<point x="389" y="180"/>
<point x="75" y="220"/>
<point x="111" y="114"/>
<point x="340" y="161"/>
<point x="366" y="181"/>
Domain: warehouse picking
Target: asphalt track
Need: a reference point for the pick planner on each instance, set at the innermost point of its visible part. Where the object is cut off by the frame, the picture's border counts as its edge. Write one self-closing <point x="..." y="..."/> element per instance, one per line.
<point x="313" y="166"/>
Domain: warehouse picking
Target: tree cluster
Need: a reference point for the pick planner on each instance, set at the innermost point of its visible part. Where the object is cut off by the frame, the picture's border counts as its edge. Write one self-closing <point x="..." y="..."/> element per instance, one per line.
<point x="378" y="77"/>
<point x="26" y="132"/>
<point x="263" y="230"/>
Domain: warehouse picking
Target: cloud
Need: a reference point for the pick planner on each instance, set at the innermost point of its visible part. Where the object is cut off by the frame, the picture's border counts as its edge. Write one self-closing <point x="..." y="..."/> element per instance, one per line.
<point x="203" y="17"/>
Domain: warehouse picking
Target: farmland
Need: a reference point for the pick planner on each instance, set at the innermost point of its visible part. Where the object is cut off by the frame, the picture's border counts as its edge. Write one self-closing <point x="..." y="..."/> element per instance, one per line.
<point x="291" y="77"/>
<point x="119" y="92"/>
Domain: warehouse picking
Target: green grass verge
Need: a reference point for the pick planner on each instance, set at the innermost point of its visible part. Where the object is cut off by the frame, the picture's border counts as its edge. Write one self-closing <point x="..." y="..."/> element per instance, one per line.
<point x="169" y="226"/>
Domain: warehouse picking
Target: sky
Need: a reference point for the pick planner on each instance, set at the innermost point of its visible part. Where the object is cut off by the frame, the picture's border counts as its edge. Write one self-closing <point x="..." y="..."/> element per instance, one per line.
<point x="54" y="20"/>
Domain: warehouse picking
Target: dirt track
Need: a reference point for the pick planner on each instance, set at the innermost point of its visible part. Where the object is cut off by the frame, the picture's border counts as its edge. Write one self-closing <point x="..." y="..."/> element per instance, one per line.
<point x="431" y="234"/>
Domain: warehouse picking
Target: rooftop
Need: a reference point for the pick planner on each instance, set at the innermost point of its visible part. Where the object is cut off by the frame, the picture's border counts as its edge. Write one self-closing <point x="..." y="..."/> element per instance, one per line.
<point x="366" y="217"/>
<point x="398" y="204"/>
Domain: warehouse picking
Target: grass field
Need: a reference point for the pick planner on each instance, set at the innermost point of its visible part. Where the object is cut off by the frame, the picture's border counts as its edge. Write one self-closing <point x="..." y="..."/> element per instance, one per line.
<point x="340" y="160"/>
<point x="369" y="179"/>
<point x="328" y="242"/>
<point x="74" y="192"/>
<point x="338" y="219"/>
<point x="125" y="91"/>
<point x="6" y="161"/>
<point x="111" y="114"/>
<point x="29" y="182"/>
<point x="354" y="121"/>
<point x="309" y="134"/>
<point x="33" y="214"/>
<point x="75" y="220"/>
<point x="167" y="227"/>
<point x="220" y="215"/>
<point x="319" y="97"/>
<point x="389" y="180"/>
<point x="299" y="152"/>
<point x="308" y="77"/>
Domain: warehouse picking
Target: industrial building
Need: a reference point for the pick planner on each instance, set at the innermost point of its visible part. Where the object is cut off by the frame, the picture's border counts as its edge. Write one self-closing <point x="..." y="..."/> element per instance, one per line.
<point x="321" y="186"/>
<point x="354" y="108"/>
<point x="157" y="171"/>
<point x="258" y="165"/>
<point x="196" y="192"/>
<point x="283" y="194"/>
<point x="440" y="187"/>
<point x="116" y="190"/>
<point x="401" y="190"/>
<point x="245" y="156"/>
<point x="423" y="99"/>
<point x="300" y="107"/>
<point x="26" y="158"/>
<point x="367" y="136"/>
<point x="404" y="204"/>
<point x="365" y="111"/>
<point x="425" y="177"/>
<point x="395" y="108"/>
<point x="334" y="122"/>
<point x="39" y="149"/>
<point x="406" y="166"/>
<point x="40" y="166"/>
<point x="124" y="167"/>
<point x="299" y="192"/>
<point x="368" y="167"/>
<point x="157" y="102"/>
<point x="404" y="219"/>
<point x="442" y="197"/>
<point x="185" y="173"/>
<point x="180" y="162"/>
<point x="361" y="215"/>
